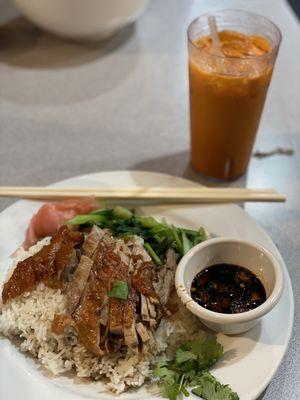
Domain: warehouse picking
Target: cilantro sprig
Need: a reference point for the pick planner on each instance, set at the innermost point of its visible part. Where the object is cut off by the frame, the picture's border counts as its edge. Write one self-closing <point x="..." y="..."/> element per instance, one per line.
<point x="158" y="236"/>
<point x="189" y="369"/>
<point x="210" y="389"/>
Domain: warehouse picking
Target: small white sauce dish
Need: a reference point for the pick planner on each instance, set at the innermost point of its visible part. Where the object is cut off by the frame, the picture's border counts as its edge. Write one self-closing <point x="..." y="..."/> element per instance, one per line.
<point x="230" y="251"/>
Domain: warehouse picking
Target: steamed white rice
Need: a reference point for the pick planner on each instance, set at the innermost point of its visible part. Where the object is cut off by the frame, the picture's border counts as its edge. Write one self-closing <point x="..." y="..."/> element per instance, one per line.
<point x="30" y="316"/>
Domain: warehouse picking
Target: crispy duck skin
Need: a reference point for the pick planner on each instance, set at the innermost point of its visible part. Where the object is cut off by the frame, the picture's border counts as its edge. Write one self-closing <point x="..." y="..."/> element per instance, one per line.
<point x="107" y="268"/>
<point x="129" y="321"/>
<point x="63" y="258"/>
<point x="87" y="314"/>
<point x="103" y="323"/>
<point x="44" y="266"/>
<point x="143" y="277"/>
<point x="120" y="272"/>
<point x="116" y="307"/>
<point x="129" y="318"/>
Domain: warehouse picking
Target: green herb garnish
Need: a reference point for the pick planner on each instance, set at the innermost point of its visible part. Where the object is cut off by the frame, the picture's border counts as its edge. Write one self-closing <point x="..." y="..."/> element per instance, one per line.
<point x="119" y="290"/>
<point x="210" y="389"/>
<point x="189" y="369"/>
<point x="158" y="236"/>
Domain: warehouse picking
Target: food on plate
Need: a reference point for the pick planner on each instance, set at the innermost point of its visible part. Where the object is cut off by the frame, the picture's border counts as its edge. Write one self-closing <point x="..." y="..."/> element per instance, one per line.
<point x="189" y="368"/>
<point x="158" y="237"/>
<point x="97" y="298"/>
<point x="51" y="215"/>
<point x="228" y="289"/>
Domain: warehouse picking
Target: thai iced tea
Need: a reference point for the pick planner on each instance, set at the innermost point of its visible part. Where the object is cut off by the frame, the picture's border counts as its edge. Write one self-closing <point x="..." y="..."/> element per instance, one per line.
<point x="227" y="96"/>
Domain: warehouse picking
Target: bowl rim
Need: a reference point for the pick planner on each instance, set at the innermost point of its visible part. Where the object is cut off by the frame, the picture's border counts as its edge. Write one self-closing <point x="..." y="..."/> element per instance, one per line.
<point x="220" y="318"/>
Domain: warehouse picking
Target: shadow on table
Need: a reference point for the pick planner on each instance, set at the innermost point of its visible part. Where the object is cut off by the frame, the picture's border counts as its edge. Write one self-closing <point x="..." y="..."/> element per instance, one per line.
<point x="25" y="45"/>
<point x="46" y="70"/>
<point x="178" y="164"/>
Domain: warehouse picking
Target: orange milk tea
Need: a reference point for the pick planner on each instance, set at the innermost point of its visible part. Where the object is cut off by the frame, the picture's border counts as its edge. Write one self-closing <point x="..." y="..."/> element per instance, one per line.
<point x="227" y="96"/>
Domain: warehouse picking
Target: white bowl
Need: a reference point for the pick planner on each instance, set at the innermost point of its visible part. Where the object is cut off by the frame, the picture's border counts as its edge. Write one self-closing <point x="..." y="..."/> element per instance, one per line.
<point x="231" y="251"/>
<point x="82" y="19"/>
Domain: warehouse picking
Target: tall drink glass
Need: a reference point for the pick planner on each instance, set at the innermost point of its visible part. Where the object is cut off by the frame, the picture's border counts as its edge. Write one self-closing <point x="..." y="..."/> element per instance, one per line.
<point x="228" y="90"/>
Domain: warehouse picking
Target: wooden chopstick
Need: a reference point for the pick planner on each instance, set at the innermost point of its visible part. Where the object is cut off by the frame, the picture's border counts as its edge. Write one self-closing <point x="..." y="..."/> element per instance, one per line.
<point x="163" y="194"/>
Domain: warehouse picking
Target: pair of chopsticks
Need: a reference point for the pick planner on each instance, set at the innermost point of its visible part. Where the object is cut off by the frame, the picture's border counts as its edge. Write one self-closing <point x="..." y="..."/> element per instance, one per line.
<point x="163" y="194"/>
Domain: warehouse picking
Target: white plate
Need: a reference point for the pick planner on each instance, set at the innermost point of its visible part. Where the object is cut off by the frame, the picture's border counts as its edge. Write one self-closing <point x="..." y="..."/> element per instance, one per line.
<point x="250" y="360"/>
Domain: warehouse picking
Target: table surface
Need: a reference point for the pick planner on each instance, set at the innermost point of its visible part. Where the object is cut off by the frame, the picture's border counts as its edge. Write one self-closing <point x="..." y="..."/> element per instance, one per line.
<point x="68" y="109"/>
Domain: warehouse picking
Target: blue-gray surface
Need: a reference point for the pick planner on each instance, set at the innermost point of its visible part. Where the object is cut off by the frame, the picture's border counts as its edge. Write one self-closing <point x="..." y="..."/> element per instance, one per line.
<point x="296" y="6"/>
<point x="69" y="109"/>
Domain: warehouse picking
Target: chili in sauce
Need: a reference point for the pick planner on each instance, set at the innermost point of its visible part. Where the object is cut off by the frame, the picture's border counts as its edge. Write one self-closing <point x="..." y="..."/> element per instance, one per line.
<point x="227" y="288"/>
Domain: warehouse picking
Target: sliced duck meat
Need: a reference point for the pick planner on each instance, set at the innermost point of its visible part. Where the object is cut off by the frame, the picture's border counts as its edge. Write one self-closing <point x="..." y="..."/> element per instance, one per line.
<point x="166" y="276"/>
<point x="67" y="273"/>
<point x="44" y="266"/>
<point x="144" y="308"/>
<point x="107" y="239"/>
<point x="143" y="277"/>
<point x="91" y="242"/>
<point x="151" y="308"/>
<point x="63" y="260"/>
<point x="78" y="283"/>
<point x="149" y="344"/>
<point x="107" y="268"/>
<point x="138" y="249"/>
<point x="116" y="305"/>
<point x="131" y="266"/>
<point x="87" y="314"/>
<point x="116" y="308"/>
<point x="129" y="317"/>
<point x="115" y="295"/>
<point x="143" y="332"/>
<point x="104" y="313"/>
<point x="123" y="251"/>
<point x="152" y="323"/>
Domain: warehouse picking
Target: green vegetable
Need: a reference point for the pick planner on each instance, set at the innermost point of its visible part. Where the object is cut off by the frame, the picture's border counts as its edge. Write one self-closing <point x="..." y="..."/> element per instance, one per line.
<point x="209" y="388"/>
<point x="90" y="219"/>
<point x="184" y="355"/>
<point x="119" y="290"/>
<point x="170" y="383"/>
<point x="177" y="240"/>
<point x="121" y="213"/>
<point x="152" y="254"/>
<point x="189" y="369"/>
<point x="158" y="236"/>
<point x="186" y="244"/>
<point x="208" y="350"/>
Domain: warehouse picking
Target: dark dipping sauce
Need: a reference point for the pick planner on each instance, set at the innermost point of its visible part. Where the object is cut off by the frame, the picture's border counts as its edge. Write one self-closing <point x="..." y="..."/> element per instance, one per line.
<point x="227" y="289"/>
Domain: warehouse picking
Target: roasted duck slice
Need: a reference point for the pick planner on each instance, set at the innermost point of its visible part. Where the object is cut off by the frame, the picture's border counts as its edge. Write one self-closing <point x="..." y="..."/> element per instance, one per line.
<point x="87" y="314"/>
<point x="45" y="266"/>
<point x="129" y="321"/>
<point x="91" y="242"/>
<point x="76" y="286"/>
